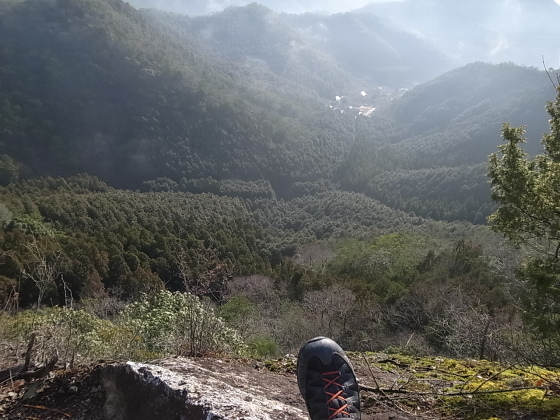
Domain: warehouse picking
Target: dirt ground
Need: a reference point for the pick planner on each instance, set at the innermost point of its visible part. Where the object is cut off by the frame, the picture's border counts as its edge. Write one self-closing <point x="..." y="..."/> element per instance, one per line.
<point x="64" y="394"/>
<point x="78" y="394"/>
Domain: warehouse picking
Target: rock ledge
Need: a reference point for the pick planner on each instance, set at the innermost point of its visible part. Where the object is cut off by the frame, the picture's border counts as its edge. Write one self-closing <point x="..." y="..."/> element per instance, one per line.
<point x="182" y="389"/>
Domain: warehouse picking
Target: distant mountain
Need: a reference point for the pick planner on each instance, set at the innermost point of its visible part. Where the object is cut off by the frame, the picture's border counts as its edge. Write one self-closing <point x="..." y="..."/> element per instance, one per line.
<point x="466" y="108"/>
<point x="252" y="103"/>
<point x="323" y="52"/>
<point x="437" y="138"/>
<point x="257" y="37"/>
<point x="206" y="7"/>
<point x="373" y="48"/>
<point x="99" y="87"/>
<point x="520" y="31"/>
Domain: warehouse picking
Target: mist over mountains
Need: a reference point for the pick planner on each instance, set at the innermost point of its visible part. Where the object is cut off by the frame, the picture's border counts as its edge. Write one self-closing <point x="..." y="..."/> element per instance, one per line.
<point x="295" y="103"/>
<point x="521" y="31"/>
<point x="202" y="7"/>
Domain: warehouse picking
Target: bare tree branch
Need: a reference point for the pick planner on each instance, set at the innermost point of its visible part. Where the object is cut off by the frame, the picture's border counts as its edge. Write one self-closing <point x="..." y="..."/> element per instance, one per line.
<point x="548" y="74"/>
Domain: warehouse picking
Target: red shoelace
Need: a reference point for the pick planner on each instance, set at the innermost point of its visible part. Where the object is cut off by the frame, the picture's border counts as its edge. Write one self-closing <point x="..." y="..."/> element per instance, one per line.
<point x="333" y="412"/>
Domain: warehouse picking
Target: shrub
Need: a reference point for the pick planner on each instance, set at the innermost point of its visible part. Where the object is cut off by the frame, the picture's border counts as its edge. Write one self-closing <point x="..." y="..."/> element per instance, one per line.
<point x="163" y="324"/>
<point x="73" y="335"/>
<point x="179" y="323"/>
<point x="263" y="347"/>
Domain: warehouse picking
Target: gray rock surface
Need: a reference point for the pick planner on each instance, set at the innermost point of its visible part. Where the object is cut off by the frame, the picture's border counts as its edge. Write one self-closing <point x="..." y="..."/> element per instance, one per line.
<point x="184" y="389"/>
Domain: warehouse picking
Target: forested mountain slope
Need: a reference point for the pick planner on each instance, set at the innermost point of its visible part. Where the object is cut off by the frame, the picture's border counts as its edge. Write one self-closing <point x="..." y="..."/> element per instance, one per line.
<point x="234" y="157"/>
<point x="257" y="37"/>
<point x="134" y="242"/>
<point x="437" y="136"/>
<point x="467" y="106"/>
<point x="152" y="100"/>
<point x="97" y="86"/>
<point x="373" y="48"/>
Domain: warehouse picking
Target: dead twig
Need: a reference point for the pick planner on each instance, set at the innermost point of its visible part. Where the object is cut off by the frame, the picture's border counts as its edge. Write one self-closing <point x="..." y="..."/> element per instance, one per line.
<point x="21" y="372"/>
<point x="552" y="81"/>
<point x="11" y="373"/>
<point x="446" y="372"/>
<point x="394" y="362"/>
<point x="495" y="375"/>
<point x="28" y="352"/>
<point x="378" y="388"/>
<point x="543" y="379"/>
<point x="370" y="370"/>
<point x="54" y="410"/>
<point x="39" y="373"/>
<point x="446" y="394"/>
<point x="386" y="400"/>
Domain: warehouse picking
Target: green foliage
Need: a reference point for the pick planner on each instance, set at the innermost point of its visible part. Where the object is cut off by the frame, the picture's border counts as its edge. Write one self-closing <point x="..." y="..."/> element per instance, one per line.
<point x="9" y="170"/>
<point x="527" y="192"/>
<point x="128" y="244"/>
<point x="75" y="335"/>
<point x="450" y="297"/>
<point x="425" y="153"/>
<point x="164" y="324"/>
<point x="263" y="347"/>
<point x="237" y="309"/>
<point x="383" y="263"/>
<point x="224" y="124"/>
<point x="31" y="224"/>
<point x="174" y="109"/>
<point x="234" y="104"/>
<point x="131" y="241"/>
<point x="181" y="324"/>
<point x="541" y="297"/>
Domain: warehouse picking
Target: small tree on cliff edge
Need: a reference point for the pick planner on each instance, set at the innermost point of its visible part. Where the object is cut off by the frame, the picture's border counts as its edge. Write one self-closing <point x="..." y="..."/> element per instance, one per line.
<point x="528" y="191"/>
<point x="528" y="194"/>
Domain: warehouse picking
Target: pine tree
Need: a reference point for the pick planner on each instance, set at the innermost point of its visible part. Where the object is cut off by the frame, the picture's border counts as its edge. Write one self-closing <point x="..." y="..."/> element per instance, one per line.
<point x="528" y="190"/>
<point x="528" y="193"/>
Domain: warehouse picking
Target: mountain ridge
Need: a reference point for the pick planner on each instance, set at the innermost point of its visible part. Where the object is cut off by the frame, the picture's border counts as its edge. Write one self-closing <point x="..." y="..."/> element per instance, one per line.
<point x="139" y="96"/>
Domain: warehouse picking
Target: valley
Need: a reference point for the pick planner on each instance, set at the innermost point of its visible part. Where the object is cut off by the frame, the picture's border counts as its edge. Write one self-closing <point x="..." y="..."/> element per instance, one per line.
<point x="295" y="175"/>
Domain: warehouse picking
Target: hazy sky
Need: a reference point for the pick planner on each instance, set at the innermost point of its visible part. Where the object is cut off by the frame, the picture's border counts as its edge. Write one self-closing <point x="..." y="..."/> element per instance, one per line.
<point x="521" y="31"/>
<point x="291" y="6"/>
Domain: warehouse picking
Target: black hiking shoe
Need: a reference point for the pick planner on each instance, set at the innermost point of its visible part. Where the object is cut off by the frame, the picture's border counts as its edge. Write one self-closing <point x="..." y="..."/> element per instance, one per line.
<point x="327" y="382"/>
